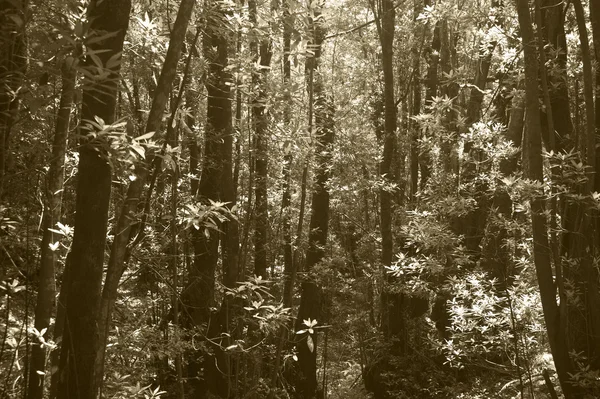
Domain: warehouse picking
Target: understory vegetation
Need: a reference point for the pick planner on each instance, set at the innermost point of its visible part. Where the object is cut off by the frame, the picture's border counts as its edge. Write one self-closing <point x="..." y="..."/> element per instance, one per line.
<point x="340" y="199"/>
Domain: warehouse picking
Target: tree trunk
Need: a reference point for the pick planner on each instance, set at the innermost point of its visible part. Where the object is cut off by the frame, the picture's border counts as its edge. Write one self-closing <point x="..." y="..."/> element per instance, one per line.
<point x="289" y="269"/>
<point x="128" y="218"/>
<point x="554" y="31"/>
<point x="391" y="323"/>
<point x="542" y="254"/>
<point x="431" y="91"/>
<point x="13" y="62"/>
<point x="589" y="140"/>
<point x="595" y="19"/>
<point x="81" y="339"/>
<point x="310" y="303"/>
<point x="199" y="292"/>
<point x="51" y="215"/>
<point x="416" y="107"/>
<point x="260" y="48"/>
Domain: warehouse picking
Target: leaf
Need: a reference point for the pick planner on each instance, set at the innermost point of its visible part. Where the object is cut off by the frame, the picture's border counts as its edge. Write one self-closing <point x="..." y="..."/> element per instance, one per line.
<point x="310" y="343"/>
<point x="145" y="136"/>
<point x="139" y="150"/>
<point x="54" y="247"/>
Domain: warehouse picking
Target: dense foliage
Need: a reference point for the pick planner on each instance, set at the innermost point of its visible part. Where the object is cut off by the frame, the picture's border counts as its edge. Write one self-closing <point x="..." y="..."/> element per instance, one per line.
<point x="328" y="199"/>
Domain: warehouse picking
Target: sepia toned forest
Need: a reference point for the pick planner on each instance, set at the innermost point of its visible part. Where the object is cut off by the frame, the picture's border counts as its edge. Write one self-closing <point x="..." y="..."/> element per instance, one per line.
<point x="343" y="199"/>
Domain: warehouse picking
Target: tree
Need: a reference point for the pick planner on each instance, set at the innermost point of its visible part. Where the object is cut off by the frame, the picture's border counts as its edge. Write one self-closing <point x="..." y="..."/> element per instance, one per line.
<point x="51" y="216"/>
<point x="109" y="20"/>
<point x="13" y="61"/>
<point x="260" y="48"/>
<point x="199" y="291"/>
<point x="542" y="253"/>
<point x="310" y="303"/>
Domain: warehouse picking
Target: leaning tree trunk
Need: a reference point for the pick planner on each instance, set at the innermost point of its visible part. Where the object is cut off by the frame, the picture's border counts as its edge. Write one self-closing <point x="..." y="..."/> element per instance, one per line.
<point x="310" y="303"/>
<point x="78" y="372"/>
<point x="542" y="253"/>
<point x="13" y="62"/>
<point x="52" y="212"/>
<point x="127" y="218"/>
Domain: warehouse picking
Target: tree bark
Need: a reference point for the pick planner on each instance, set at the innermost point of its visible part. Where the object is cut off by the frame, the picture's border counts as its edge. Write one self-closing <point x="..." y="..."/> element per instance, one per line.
<point x="260" y="48"/>
<point x="542" y="253"/>
<point x="51" y="215"/>
<point x="13" y="63"/>
<point x="589" y="141"/>
<point x="289" y="266"/>
<point x="78" y="370"/>
<point x="199" y="292"/>
<point x="128" y="217"/>
<point x="310" y="303"/>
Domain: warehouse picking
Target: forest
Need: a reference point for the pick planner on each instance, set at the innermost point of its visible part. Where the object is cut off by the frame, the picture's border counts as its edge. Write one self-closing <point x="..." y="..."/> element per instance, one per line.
<point x="303" y="199"/>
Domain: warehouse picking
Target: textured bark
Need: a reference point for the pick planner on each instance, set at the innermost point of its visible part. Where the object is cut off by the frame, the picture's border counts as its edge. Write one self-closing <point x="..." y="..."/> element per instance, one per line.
<point x="128" y="218"/>
<point x="391" y="322"/>
<point x="260" y="48"/>
<point x="192" y="142"/>
<point x="199" y="292"/>
<point x="431" y="91"/>
<point x="78" y="371"/>
<point x="51" y="215"/>
<point x="289" y="266"/>
<point x="595" y="19"/>
<point x="554" y="32"/>
<point x="589" y="139"/>
<point x="542" y="253"/>
<point x="310" y="303"/>
<point x="13" y="62"/>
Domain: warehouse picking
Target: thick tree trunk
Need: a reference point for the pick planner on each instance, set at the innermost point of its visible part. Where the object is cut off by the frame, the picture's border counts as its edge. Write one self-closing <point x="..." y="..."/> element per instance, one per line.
<point x="78" y="370"/>
<point x="51" y="215"/>
<point x="199" y="292"/>
<point x="13" y="62"/>
<point x="542" y="254"/>
<point x="127" y="218"/>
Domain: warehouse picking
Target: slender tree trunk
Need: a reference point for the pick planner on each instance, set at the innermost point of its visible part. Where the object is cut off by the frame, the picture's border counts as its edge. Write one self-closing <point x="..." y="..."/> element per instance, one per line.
<point x="78" y="371"/>
<point x="542" y="254"/>
<point x="260" y="48"/>
<point x="588" y="93"/>
<point x="595" y="19"/>
<point x="390" y="301"/>
<point x="51" y="215"/>
<point x="289" y="269"/>
<point x="431" y="91"/>
<point x="13" y="62"/>
<point x="59" y="327"/>
<point x="310" y="303"/>
<point x="553" y="27"/>
<point x="128" y="218"/>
